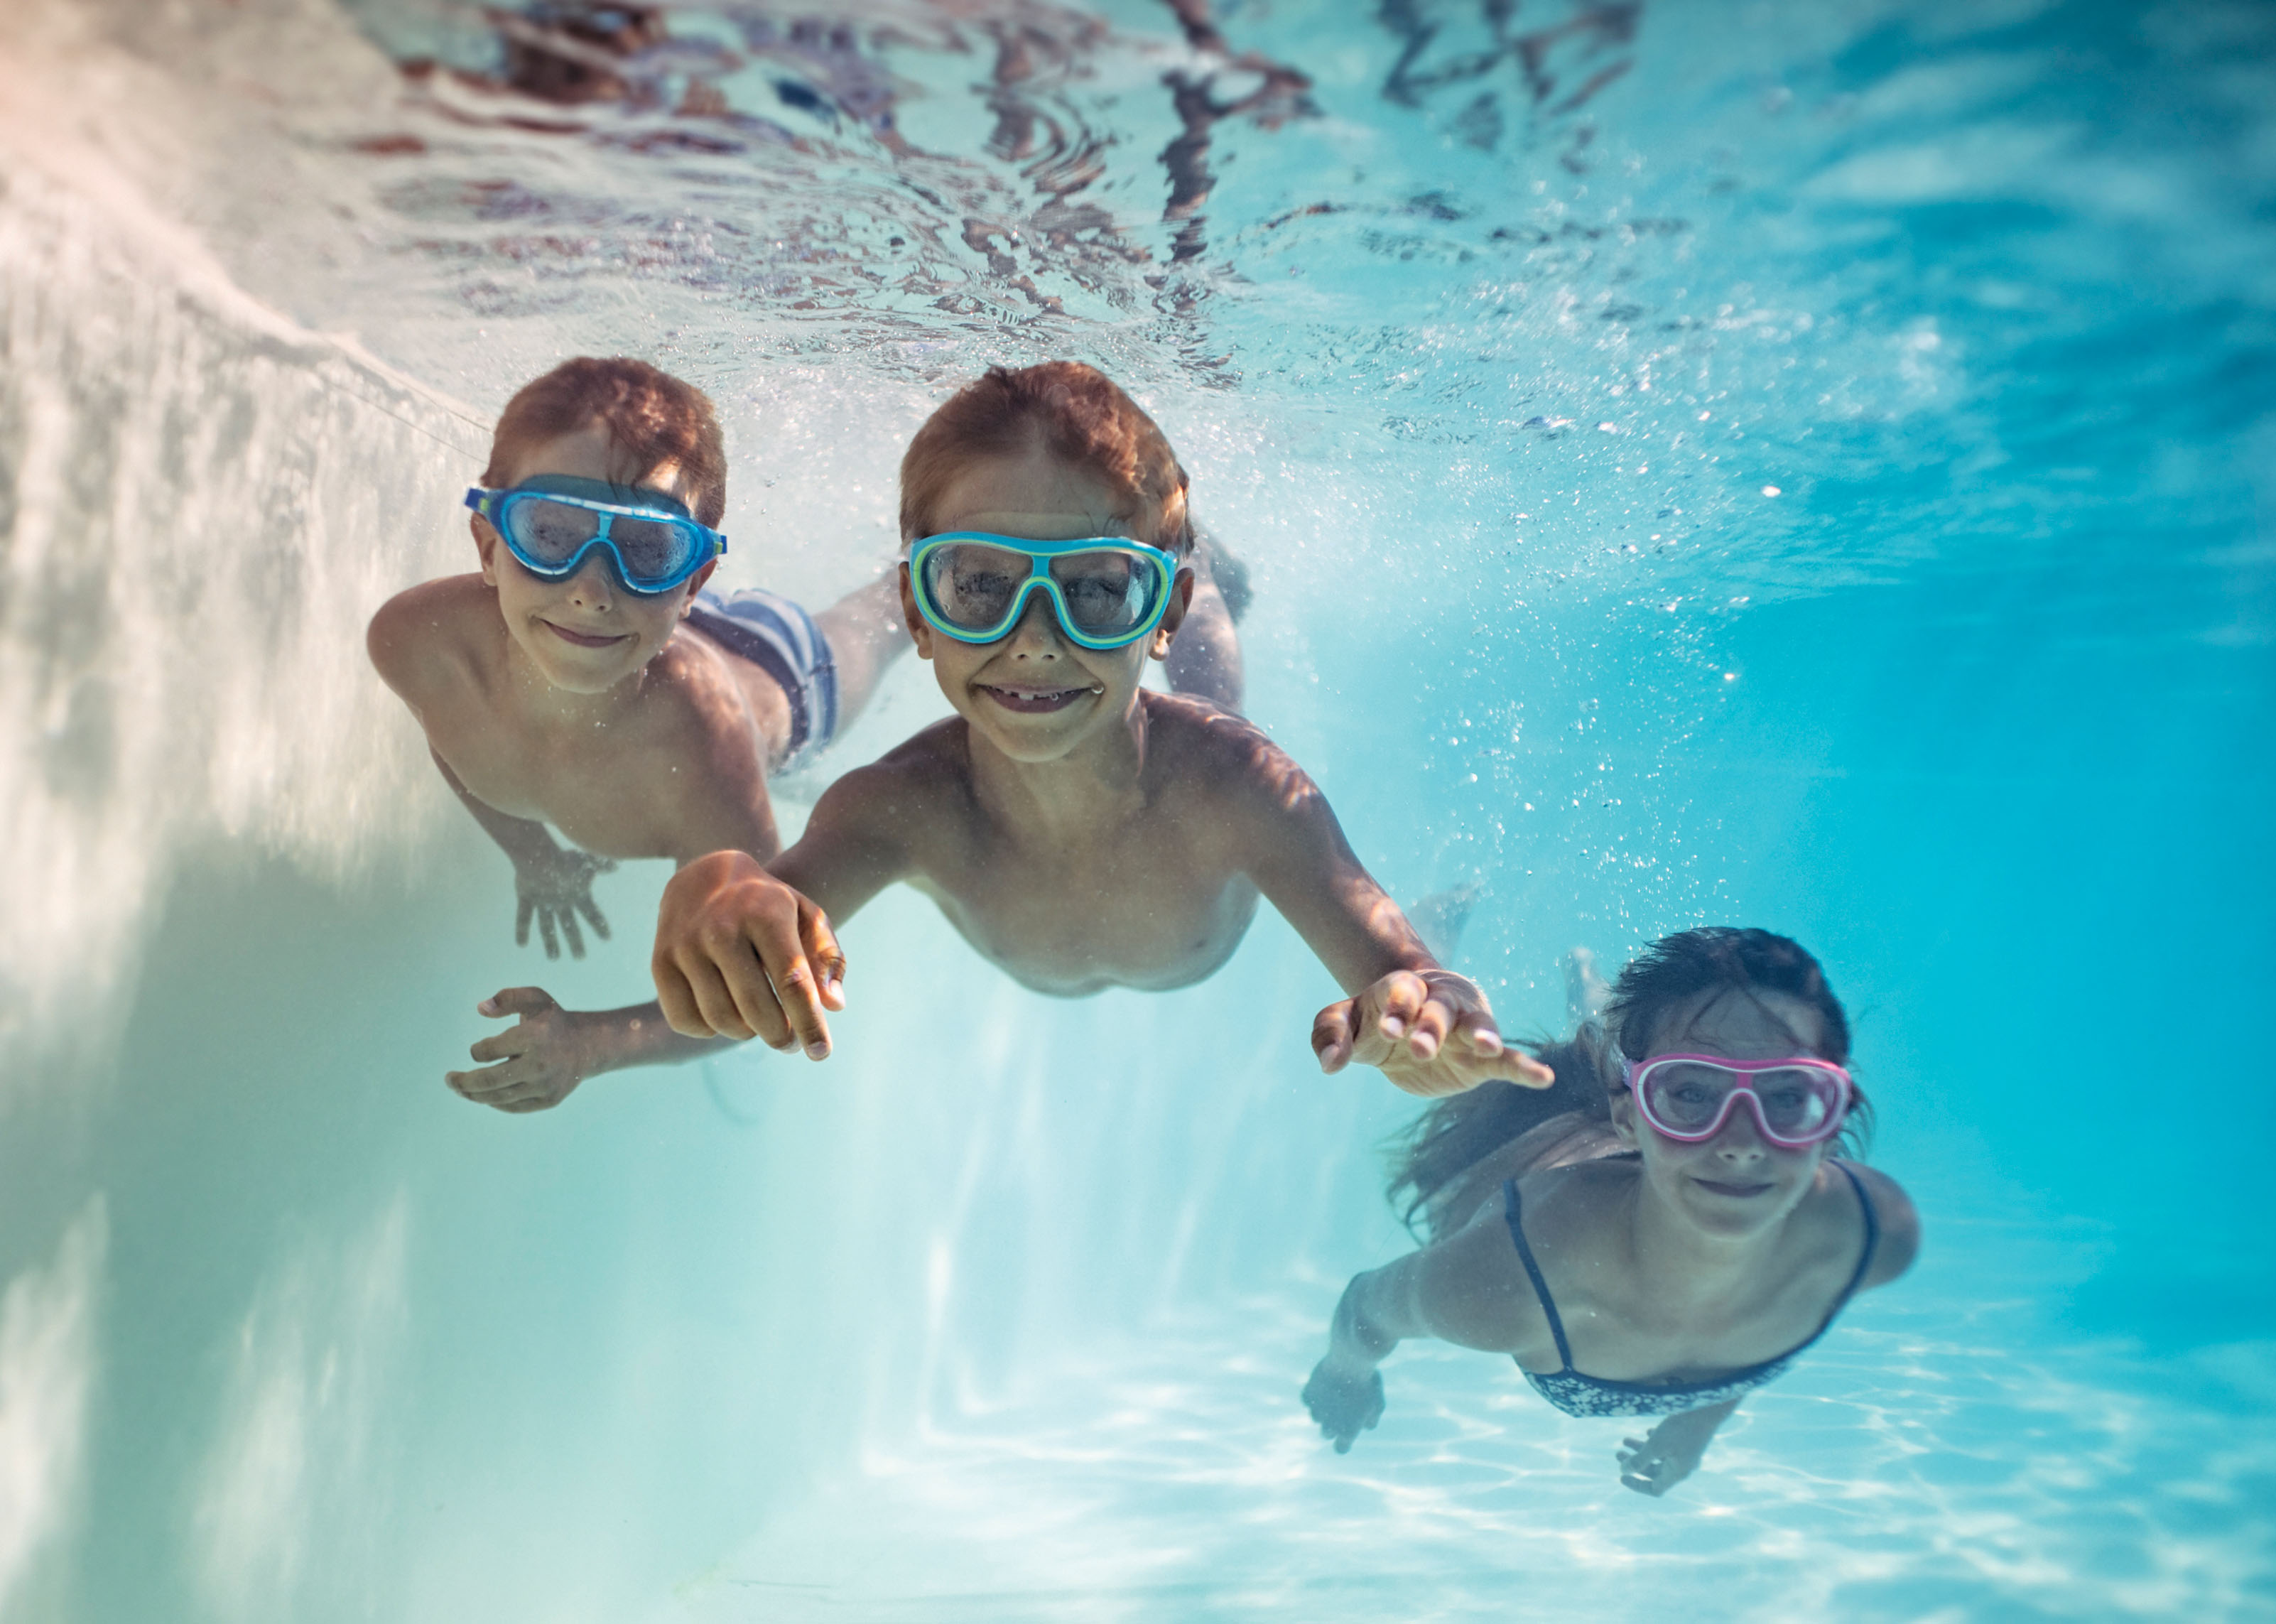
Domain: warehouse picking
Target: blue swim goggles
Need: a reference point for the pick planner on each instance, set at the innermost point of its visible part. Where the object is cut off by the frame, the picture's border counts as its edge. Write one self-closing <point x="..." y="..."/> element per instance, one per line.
<point x="551" y="522"/>
<point x="973" y="586"/>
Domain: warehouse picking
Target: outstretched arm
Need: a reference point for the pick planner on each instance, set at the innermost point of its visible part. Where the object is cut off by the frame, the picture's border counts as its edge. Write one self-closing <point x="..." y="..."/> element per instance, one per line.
<point x="1430" y="1031"/>
<point x="1463" y="1290"/>
<point x="537" y="1062"/>
<point x="421" y="644"/>
<point x="742" y="952"/>
<point x="551" y="883"/>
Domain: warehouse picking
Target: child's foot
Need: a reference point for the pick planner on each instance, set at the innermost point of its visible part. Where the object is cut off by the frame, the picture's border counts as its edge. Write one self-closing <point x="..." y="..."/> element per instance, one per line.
<point x="1585" y="990"/>
<point x="1229" y="573"/>
<point x="1440" y="917"/>
<point x="1204" y="661"/>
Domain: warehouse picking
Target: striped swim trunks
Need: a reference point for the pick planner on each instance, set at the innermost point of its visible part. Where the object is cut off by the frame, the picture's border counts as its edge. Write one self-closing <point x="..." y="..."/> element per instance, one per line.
<point x="781" y="639"/>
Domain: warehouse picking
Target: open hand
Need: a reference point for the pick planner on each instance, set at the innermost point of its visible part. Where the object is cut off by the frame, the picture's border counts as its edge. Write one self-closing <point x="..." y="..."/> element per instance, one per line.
<point x="554" y="887"/>
<point x="539" y="1058"/>
<point x="1663" y="1457"/>
<point x="1344" y="1405"/>
<point x="739" y="954"/>
<point x="1430" y="1031"/>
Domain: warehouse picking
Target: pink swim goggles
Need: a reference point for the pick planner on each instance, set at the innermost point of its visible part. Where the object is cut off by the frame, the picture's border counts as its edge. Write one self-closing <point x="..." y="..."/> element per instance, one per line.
<point x="1688" y="1097"/>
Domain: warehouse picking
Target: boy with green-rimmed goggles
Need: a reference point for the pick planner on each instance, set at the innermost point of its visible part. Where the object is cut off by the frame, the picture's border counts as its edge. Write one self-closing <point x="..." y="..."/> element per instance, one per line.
<point x="552" y="523"/>
<point x="1108" y="591"/>
<point x="1080" y="829"/>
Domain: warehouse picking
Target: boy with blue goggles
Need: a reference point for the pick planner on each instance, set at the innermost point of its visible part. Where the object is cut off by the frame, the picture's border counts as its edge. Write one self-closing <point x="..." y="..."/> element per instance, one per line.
<point x="552" y="522"/>
<point x="630" y="707"/>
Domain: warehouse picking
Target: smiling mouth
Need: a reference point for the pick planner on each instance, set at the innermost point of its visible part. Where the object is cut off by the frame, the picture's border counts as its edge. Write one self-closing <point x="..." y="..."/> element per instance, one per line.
<point x="1031" y="701"/>
<point x="583" y="640"/>
<point x="1734" y="1189"/>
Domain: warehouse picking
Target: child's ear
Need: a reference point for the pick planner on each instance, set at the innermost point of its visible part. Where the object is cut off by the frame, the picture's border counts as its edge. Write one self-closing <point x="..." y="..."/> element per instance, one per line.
<point x="1181" y="599"/>
<point x="1624" y="1118"/>
<point x="486" y="542"/>
<point x="919" y="633"/>
<point x="695" y="585"/>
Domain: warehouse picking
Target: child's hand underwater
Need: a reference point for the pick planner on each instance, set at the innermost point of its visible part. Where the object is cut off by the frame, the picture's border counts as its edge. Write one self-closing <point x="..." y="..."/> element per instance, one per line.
<point x="539" y="1058"/>
<point x="1431" y="1032"/>
<point x="1663" y="1457"/>
<point x="1342" y="1404"/>
<point x="554" y="886"/>
<point x="739" y="954"/>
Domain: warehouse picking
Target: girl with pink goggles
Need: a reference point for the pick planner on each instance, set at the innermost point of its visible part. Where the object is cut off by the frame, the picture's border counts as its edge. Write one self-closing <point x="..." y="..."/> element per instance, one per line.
<point x="1688" y="1097"/>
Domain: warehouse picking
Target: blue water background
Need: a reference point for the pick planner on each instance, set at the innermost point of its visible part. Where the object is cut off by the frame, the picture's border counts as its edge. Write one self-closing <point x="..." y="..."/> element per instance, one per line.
<point x="1824" y="476"/>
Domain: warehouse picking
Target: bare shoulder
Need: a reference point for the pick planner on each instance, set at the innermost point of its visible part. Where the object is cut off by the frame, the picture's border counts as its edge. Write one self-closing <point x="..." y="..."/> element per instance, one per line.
<point x="434" y="634"/>
<point x="1221" y="756"/>
<point x="909" y="786"/>
<point x="1899" y="1221"/>
<point x="692" y="684"/>
<point x="936" y="759"/>
<point x="1568" y="1211"/>
<point x="1472" y="1289"/>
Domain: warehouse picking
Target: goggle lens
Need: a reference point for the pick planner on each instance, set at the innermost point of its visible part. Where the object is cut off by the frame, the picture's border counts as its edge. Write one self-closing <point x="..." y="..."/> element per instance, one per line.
<point x="550" y="532"/>
<point x="1105" y="595"/>
<point x="1108" y="593"/>
<point x="650" y="549"/>
<point x="1798" y="1105"/>
<point x="973" y="586"/>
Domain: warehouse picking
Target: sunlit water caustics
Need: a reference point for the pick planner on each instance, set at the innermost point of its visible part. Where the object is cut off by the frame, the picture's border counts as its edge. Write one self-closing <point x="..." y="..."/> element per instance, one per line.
<point x="1811" y="464"/>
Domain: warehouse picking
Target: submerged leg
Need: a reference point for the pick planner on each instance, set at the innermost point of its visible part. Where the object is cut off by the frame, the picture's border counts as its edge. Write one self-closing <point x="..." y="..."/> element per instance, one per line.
<point x="1204" y="661"/>
<point x="1585" y="990"/>
<point x="1440" y="917"/>
<point x="865" y="631"/>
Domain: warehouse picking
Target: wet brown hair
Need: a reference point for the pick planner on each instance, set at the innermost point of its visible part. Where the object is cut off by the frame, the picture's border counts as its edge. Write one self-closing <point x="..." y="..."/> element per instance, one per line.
<point x="1078" y="414"/>
<point x="1681" y="966"/>
<point x="1458" y="1133"/>
<point x="655" y="417"/>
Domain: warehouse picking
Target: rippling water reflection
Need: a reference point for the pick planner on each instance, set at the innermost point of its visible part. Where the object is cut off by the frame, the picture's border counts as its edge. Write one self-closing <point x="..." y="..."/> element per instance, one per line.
<point x="1806" y="459"/>
<point x="1881" y="1483"/>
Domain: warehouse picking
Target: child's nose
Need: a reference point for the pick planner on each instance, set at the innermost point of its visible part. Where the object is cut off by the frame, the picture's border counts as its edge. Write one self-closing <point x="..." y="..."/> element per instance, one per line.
<point x="594" y="585"/>
<point x="1741" y="1138"/>
<point x="1037" y="632"/>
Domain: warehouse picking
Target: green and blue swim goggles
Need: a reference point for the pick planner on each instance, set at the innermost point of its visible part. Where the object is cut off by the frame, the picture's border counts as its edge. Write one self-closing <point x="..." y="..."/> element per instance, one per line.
<point x="1108" y="591"/>
<point x="550" y="523"/>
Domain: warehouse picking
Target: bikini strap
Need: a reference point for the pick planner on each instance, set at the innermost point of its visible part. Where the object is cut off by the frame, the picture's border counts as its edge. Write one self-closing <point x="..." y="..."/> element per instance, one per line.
<point x="1509" y="1212"/>
<point x="1864" y="1259"/>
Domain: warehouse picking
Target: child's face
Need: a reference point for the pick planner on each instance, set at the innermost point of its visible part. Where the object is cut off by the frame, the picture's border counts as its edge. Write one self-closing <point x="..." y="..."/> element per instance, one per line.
<point x="585" y="632"/>
<point x="1737" y="1183"/>
<point x="1032" y="694"/>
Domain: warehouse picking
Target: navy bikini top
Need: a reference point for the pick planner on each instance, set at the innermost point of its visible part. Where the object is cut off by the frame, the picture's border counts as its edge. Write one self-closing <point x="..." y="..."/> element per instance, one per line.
<point x="1577" y="1394"/>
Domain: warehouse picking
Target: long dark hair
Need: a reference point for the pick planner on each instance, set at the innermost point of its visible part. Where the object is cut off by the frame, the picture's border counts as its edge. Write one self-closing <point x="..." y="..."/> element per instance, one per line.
<point x="1458" y="1133"/>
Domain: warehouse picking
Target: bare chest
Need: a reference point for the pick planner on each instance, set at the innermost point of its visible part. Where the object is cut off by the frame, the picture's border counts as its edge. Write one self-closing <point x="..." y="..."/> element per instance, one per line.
<point x="611" y="790"/>
<point x="1146" y="910"/>
<point x="1620" y="1333"/>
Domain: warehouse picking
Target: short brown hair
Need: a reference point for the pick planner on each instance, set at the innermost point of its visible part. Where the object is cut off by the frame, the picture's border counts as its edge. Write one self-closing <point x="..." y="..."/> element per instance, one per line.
<point x="1077" y="413"/>
<point x="651" y="415"/>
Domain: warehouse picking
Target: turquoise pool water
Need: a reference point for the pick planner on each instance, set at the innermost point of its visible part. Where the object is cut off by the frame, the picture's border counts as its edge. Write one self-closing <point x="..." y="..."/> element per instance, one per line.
<point x="1800" y="464"/>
